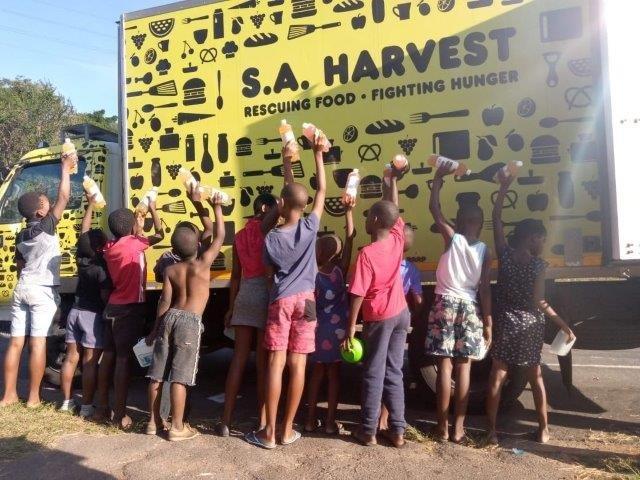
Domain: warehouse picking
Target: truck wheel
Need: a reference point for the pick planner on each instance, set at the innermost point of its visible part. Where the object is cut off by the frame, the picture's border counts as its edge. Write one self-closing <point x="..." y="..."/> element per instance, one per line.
<point x="56" y="349"/>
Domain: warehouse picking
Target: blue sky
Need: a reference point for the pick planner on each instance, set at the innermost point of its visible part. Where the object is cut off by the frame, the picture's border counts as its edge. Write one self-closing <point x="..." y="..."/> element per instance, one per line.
<point x="71" y="43"/>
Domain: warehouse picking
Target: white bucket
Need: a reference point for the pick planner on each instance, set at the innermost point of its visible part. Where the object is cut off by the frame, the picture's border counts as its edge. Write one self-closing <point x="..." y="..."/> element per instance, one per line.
<point x="143" y="352"/>
<point x="560" y="346"/>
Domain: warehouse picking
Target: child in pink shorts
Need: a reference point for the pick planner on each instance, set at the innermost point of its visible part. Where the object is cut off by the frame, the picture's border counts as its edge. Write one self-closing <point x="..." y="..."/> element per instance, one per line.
<point x="290" y="258"/>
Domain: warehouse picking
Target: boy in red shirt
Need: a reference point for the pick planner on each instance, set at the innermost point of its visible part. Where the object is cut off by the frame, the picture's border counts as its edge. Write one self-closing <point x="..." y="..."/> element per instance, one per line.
<point x="376" y="287"/>
<point x="124" y="315"/>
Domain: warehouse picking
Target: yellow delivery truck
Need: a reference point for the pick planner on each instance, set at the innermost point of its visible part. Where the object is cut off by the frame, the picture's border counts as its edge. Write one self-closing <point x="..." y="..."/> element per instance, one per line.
<point x="204" y="85"/>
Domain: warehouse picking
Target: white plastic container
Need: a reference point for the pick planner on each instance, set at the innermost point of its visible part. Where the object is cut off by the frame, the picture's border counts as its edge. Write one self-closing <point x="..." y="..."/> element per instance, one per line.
<point x="207" y="192"/>
<point x="68" y="148"/>
<point x="143" y="205"/>
<point x="509" y="170"/>
<point x="459" y="169"/>
<point x="353" y="182"/>
<point x="289" y="138"/>
<point x="560" y="346"/>
<point x="311" y="132"/>
<point x="92" y="189"/>
<point x="143" y="352"/>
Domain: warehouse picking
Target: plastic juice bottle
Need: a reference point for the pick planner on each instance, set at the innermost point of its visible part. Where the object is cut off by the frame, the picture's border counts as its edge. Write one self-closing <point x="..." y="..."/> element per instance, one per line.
<point x="458" y="168"/>
<point x="288" y="138"/>
<point x="400" y="163"/>
<point x="69" y="148"/>
<point x="353" y="182"/>
<point x="509" y="170"/>
<point x="91" y="187"/>
<point x="206" y="191"/>
<point x="187" y="178"/>
<point x="143" y="206"/>
<point x="312" y="132"/>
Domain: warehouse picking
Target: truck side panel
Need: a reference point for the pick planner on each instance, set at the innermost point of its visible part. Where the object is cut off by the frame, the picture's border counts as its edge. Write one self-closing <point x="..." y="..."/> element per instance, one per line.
<point x="483" y="81"/>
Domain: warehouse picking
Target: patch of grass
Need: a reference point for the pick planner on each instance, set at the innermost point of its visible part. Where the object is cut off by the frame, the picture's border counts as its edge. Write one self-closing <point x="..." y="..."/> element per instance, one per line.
<point x="623" y="466"/>
<point x="614" y="438"/>
<point x="414" y="435"/>
<point x="27" y="429"/>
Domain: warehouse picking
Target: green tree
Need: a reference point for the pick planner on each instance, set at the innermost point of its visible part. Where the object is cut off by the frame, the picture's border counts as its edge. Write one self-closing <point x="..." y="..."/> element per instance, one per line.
<point x="29" y="112"/>
<point x="99" y="119"/>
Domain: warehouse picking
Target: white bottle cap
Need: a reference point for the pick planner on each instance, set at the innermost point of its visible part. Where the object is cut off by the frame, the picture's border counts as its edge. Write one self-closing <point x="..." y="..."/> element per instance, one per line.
<point x="355" y="170"/>
<point x="518" y="163"/>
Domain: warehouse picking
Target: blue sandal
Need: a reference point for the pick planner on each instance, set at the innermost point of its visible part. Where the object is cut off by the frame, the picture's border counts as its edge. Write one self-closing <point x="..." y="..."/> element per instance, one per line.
<point x="255" y="440"/>
<point x="294" y="438"/>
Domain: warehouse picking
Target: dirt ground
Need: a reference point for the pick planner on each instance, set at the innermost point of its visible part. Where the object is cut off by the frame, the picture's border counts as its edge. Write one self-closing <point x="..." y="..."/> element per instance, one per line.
<point x="595" y="429"/>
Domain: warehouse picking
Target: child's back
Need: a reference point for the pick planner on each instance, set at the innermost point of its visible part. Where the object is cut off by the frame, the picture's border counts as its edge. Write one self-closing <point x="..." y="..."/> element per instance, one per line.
<point x="190" y="285"/>
<point x="460" y="268"/>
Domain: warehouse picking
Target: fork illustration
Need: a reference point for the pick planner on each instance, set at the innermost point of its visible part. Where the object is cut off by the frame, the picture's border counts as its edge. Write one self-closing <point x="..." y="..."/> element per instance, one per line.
<point x="264" y="140"/>
<point x="424" y="117"/>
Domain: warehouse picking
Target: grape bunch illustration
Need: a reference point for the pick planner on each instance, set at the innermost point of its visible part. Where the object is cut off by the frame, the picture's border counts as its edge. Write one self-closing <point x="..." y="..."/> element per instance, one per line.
<point x="407" y="145"/>
<point x="173" y="171"/>
<point x="138" y="40"/>
<point x="257" y="19"/>
<point x="145" y="143"/>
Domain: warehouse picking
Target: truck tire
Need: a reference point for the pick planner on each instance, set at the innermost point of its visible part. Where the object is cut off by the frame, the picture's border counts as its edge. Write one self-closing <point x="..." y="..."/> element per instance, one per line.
<point x="56" y="346"/>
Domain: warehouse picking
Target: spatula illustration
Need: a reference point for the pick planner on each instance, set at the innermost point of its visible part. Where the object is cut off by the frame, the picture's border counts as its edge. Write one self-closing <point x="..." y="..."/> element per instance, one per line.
<point x="277" y="171"/>
<point x="297" y="31"/>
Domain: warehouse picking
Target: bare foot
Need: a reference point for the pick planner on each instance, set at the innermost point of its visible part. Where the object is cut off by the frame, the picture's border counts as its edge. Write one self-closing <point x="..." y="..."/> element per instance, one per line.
<point x="102" y="415"/>
<point x="492" y="438"/>
<point x="35" y="404"/>
<point x="332" y="428"/>
<point x="7" y="401"/>
<point x="311" y="425"/>
<point x="438" y="434"/>
<point x="124" y="423"/>
<point x="543" y="435"/>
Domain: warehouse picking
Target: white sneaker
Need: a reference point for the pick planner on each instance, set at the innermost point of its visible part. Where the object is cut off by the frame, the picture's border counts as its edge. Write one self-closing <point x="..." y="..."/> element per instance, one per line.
<point x="68" y="406"/>
<point x="87" y="411"/>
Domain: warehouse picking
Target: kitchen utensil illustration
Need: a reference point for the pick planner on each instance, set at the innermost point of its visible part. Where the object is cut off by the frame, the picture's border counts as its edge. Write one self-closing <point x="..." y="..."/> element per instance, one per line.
<point x="264" y="140"/>
<point x="407" y="145"/>
<point x="173" y="170"/>
<point x="190" y="68"/>
<point x="488" y="224"/>
<point x="297" y="31"/>
<point x="371" y="187"/>
<point x="272" y="155"/>
<point x="228" y="209"/>
<point x="167" y="228"/>
<point x="479" y="3"/>
<point x="223" y="148"/>
<point x="303" y="8"/>
<point x="486" y="174"/>
<point x="340" y="176"/>
<point x="455" y="145"/>
<point x="219" y="99"/>
<point x="333" y="156"/>
<point x="277" y="3"/>
<point x="526" y="107"/>
<point x="218" y="23"/>
<point x="187" y="49"/>
<point x="566" y="190"/>
<point x="161" y="247"/>
<point x="188" y="20"/>
<point x="156" y="172"/>
<point x="257" y="20"/>
<point x="551" y="122"/>
<point x="421" y="170"/>
<point x="236" y="25"/>
<point x="190" y="148"/>
<point x="138" y="40"/>
<point x="348" y="6"/>
<point x="276" y="17"/>
<point x="164" y="89"/>
<point x="446" y="5"/>
<point x="170" y="140"/>
<point x="485" y="147"/>
<point x="377" y="10"/>
<point x="578" y="97"/>
<point x="145" y="143"/>
<point x="136" y="116"/>
<point x="411" y="191"/>
<point x="174" y="192"/>
<point x="530" y="179"/>
<point x="581" y="67"/>
<point x="174" y="207"/>
<point x="147" y="78"/>
<point x="200" y="36"/>
<point x="585" y="149"/>
<point x="544" y="150"/>
<point x="206" y="165"/>
<point x="245" y="196"/>
<point x="260" y="40"/>
<point x="563" y="24"/>
<point x="208" y="55"/>
<point x="148" y="108"/>
<point x="515" y="141"/>
<point x="402" y="10"/>
<point x="382" y="127"/>
<point x="592" y="216"/>
<point x="161" y="28"/>
<point x="135" y="164"/>
<point x="194" y="92"/>
<point x="243" y="147"/>
<point x="334" y="206"/>
<point x="552" y="59"/>
<point x="467" y="199"/>
<point x="163" y="45"/>
<point x="369" y="153"/>
<point x="277" y="171"/>
<point x="227" y="180"/>
<point x="245" y="4"/>
<point x="182" y="117"/>
<point x="424" y="117"/>
<point x="155" y="123"/>
<point x="163" y="67"/>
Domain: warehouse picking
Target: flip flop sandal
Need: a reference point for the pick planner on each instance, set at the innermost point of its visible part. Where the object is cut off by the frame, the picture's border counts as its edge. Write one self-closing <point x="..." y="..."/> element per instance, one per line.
<point x="316" y="426"/>
<point x="296" y="436"/>
<point x="255" y="440"/>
